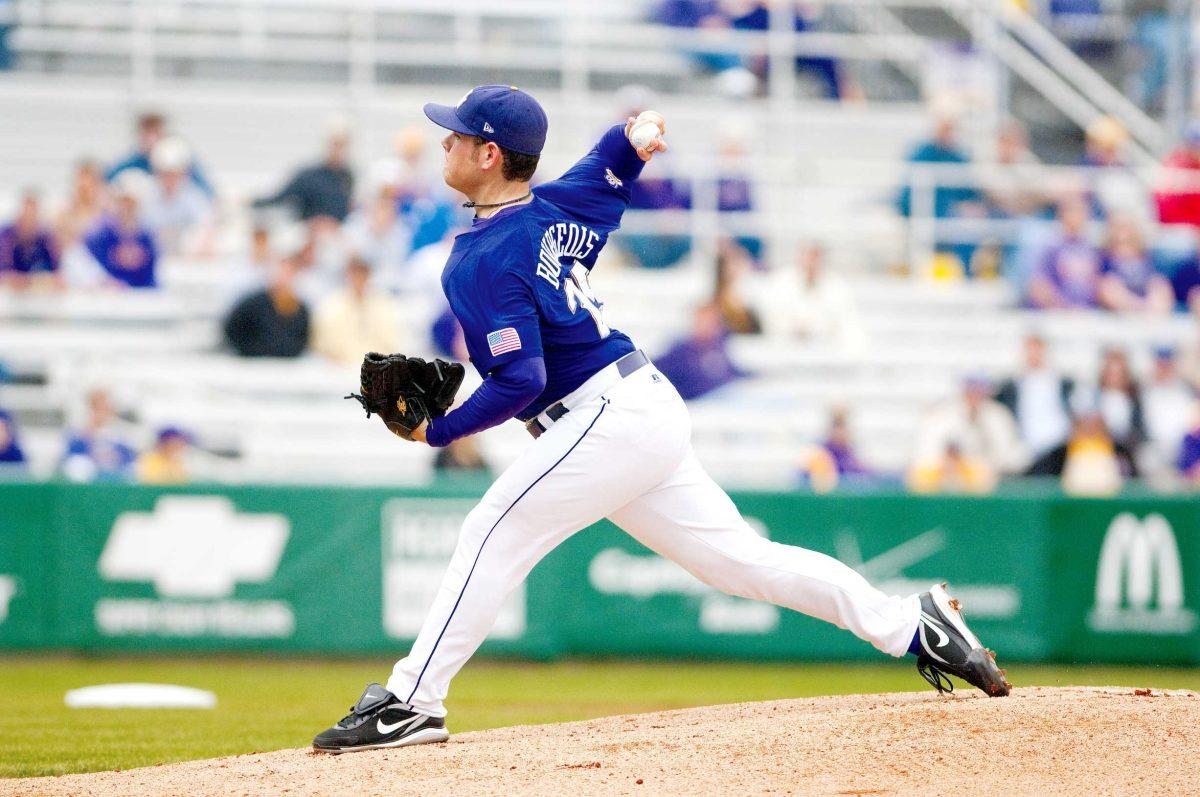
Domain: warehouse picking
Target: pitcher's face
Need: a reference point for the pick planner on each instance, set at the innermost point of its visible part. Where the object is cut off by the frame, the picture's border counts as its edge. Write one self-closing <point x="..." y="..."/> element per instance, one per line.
<point x="461" y="168"/>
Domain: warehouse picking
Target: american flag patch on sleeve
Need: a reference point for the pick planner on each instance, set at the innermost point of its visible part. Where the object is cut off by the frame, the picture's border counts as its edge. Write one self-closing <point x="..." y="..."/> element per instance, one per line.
<point x="503" y="340"/>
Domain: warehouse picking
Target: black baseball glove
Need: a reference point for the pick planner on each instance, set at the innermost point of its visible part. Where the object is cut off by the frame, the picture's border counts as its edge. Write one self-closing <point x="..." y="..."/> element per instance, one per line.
<point x="406" y="391"/>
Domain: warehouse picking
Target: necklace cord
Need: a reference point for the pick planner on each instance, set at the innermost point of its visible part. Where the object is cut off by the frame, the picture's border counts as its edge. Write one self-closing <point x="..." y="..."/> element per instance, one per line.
<point x="497" y="204"/>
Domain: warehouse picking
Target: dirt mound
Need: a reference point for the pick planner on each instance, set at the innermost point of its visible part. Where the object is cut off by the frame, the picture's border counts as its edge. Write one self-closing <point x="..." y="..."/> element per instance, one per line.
<point x="1039" y="741"/>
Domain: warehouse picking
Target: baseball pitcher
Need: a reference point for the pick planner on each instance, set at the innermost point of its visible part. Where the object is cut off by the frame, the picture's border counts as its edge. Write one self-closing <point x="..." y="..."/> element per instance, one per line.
<point x="612" y="436"/>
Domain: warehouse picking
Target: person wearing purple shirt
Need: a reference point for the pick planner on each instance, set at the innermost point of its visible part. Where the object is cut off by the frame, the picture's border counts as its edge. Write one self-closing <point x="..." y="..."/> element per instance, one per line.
<point x="840" y="447"/>
<point x="1189" y="453"/>
<point x="27" y="246"/>
<point x="1129" y="281"/>
<point x="700" y="363"/>
<point x="1068" y="275"/>
<point x="121" y="244"/>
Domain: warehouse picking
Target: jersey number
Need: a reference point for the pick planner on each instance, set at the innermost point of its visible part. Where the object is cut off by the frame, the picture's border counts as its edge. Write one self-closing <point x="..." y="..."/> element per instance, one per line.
<point x="579" y="292"/>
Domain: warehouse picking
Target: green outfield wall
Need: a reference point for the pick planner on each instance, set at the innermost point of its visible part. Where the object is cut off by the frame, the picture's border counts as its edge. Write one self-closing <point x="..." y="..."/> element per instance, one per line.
<point x="349" y="571"/>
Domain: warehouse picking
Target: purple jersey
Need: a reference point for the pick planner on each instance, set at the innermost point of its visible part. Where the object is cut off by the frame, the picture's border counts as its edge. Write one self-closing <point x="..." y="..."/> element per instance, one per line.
<point x="518" y="281"/>
<point x="1073" y="268"/>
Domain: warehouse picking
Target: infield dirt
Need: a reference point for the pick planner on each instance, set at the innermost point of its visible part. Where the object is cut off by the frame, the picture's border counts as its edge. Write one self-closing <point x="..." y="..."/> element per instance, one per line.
<point x="1067" y="741"/>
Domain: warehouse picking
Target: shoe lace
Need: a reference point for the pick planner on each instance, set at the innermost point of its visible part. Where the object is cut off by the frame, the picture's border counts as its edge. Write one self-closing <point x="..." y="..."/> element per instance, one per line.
<point x="934" y="675"/>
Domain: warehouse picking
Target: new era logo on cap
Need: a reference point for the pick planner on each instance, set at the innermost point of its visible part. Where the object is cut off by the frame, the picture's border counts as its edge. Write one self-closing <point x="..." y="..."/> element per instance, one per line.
<point x="488" y="128"/>
<point x="503" y="340"/>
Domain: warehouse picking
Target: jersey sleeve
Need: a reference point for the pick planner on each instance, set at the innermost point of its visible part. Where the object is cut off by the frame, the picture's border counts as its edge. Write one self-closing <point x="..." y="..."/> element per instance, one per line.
<point x="504" y="326"/>
<point x="596" y="189"/>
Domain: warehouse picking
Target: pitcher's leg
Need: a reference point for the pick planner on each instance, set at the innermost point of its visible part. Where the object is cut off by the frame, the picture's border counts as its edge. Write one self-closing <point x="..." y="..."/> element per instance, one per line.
<point x="690" y="520"/>
<point x="576" y="473"/>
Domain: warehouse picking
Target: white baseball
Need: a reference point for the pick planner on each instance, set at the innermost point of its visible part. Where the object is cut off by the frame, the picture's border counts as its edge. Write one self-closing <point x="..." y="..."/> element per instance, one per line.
<point x="643" y="133"/>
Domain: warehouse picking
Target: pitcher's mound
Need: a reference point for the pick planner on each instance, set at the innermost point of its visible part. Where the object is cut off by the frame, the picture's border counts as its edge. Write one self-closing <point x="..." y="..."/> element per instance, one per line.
<point x="1039" y="741"/>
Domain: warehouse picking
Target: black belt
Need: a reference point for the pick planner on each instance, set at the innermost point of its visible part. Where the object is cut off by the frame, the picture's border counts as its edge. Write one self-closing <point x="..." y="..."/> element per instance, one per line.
<point x="627" y="365"/>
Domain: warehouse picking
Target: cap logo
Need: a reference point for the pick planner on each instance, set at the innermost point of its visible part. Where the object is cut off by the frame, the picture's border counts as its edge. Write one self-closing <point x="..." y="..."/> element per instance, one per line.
<point x="459" y="104"/>
<point x="488" y="128"/>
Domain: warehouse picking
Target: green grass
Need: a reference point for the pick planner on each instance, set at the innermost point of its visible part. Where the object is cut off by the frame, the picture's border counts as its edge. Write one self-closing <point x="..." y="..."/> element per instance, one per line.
<point x="265" y="705"/>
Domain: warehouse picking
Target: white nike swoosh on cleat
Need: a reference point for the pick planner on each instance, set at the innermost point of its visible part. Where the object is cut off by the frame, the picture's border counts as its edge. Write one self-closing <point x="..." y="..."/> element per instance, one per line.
<point x="929" y="621"/>
<point x="385" y="729"/>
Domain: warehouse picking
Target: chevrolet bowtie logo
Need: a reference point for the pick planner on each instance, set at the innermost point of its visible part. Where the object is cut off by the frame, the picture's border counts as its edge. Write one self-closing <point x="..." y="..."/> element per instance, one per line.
<point x="194" y="546"/>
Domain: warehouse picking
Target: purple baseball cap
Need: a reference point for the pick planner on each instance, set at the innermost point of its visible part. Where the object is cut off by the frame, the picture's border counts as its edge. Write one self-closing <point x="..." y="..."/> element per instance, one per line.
<point x="503" y="114"/>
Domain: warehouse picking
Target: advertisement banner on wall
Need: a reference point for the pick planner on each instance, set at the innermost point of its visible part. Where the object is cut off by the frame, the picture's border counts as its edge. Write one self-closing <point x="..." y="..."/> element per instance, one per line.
<point x="1127" y="580"/>
<point x="340" y="570"/>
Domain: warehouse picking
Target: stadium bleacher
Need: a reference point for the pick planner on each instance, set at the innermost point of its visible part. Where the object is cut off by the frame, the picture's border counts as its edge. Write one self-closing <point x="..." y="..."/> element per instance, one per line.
<point x="250" y="85"/>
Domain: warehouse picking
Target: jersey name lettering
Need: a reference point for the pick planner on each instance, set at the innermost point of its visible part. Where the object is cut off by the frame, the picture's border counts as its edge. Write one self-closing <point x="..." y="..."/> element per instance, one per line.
<point x="562" y="241"/>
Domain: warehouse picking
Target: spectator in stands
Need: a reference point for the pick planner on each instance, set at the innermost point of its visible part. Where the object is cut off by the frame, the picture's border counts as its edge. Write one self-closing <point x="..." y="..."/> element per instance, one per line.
<point x="735" y="187"/>
<point x="1017" y="190"/>
<point x="1068" y="274"/>
<point x="834" y="461"/>
<point x="1129" y="282"/>
<point x="121" y="245"/>
<point x="85" y="206"/>
<point x="700" y="363"/>
<point x="830" y="76"/>
<point x="1115" y="186"/>
<point x="356" y="319"/>
<point x="375" y="232"/>
<point x="1188" y="463"/>
<point x="152" y="128"/>
<point x="1167" y="403"/>
<point x="1119" y="399"/>
<point x="1178" y="194"/>
<point x="177" y="210"/>
<point x="1039" y="399"/>
<point x="970" y="428"/>
<point x="98" y="451"/>
<point x="166" y="462"/>
<point x="812" y="303"/>
<point x="12" y="457"/>
<point x="323" y="190"/>
<point x="423" y="203"/>
<point x="952" y="472"/>
<point x="273" y="322"/>
<point x="949" y="199"/>
<point x="700" y="14"/>
<point x="28" y="249"/>
<point x="1091" y="463"/>
<point x="733" y="262"/>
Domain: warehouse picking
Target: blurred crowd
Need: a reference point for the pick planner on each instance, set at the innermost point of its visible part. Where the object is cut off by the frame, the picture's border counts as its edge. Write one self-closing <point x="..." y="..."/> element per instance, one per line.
<point x="337" y="264"/>
<point x="1097" y="238"/>
<point x="342" y="261"/>
<point x="742" y="72"/>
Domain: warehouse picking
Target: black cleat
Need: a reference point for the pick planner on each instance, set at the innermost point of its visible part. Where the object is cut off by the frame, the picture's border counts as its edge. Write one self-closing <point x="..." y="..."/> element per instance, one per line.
<point x="378" y="720"/>
<point x="949" y="648"/>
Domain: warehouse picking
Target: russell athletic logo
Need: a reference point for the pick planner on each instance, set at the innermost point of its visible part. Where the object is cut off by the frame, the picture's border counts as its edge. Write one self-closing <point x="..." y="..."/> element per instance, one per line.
<point x="1139" y="580"/>
<point x="194" y="550"/>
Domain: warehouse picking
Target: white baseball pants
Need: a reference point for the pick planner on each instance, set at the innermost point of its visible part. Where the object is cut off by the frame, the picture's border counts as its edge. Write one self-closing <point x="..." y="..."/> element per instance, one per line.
<point x="624" y="452"/>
